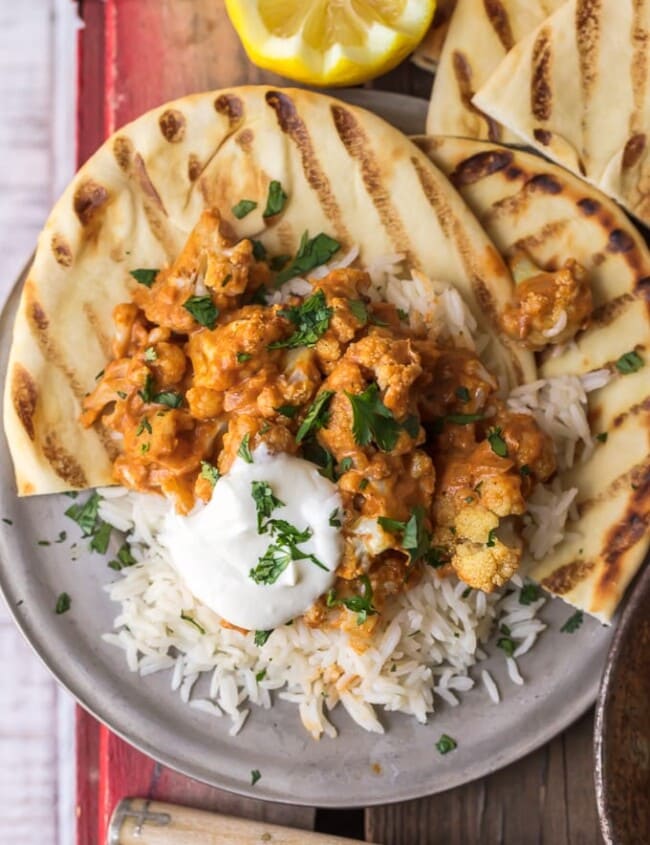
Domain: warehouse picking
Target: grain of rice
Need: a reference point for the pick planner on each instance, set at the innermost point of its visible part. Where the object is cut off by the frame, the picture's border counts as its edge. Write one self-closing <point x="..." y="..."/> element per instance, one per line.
<point x="513" y="671"/>
<point x="490" y="686"/>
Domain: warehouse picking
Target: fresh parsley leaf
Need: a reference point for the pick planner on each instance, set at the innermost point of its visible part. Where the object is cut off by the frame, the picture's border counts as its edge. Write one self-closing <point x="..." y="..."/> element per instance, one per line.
<point x="311" y="253"/>
<point x="289" y="411"/>
<point x="62" y="604"/>
<point x="360" y="604"/>
<point x="259" y="250"/>
<point x="363" y="484"/>
<point x="7" y="521"/>
<point x="124" y="558"/>
<point x="602" y="437"/>
<point x="462" y="394"/>
<point x="144" y="425"/>
<point x="466" y="592"/>
<point x="446" y="744"/>
<point x="85" y="515"/>
<point x="411" y="425"/>
<point x="271" y="564"/>
<point x="101" y="538"/>
<point x="504" y="629"/>
<point x="187" y="618"/>
<point x="573" y="623"/>
<point x="334" y="519"/>
<point x="44" y="543"/>
<point x="507" y="645"/>
<point x="315" y="453"/>
<point x="265" y="503"/>
<point x="496" y="441"/>
<point x="261" y="637"/>
<point x="203" y="309"/>
<point x="317" y="416"/>
<point x="242" y="357"/>
<point x="243" y="207"/>
<point x="259" y="676"/>
<point x="311" y="319"/>
<point x="144" y="277"/>
<point x="372" y="420"/>
<point x="529" y="593"/>
<point x="359" y="310"/>
<point x="345" y="465"/>
<point x="629" y="363"/>
<point x="275" y="200"/>
<point x="491" y="541"/>
<point x="282" y="552"/>
<point x="255" y="776"/>
<point x="210" y="472"/>
<point x="169" y="398"/>
<point x="244" y="450"/>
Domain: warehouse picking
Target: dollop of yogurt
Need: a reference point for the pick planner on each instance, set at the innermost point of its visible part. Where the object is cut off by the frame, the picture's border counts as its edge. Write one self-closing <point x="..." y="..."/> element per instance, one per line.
<point x="216" y="546"/>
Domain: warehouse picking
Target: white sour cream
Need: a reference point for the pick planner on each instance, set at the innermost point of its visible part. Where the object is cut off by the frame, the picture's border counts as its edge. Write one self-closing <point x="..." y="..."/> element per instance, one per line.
<point x="216" y="546"/>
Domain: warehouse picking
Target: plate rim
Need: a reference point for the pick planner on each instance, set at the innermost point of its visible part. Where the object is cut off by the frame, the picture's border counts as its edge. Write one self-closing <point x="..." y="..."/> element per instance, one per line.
<point x="376" y="101"/>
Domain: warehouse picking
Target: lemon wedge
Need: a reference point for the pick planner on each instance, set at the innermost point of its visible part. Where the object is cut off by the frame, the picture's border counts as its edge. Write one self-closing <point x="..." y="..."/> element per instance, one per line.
<point x="330" y="42"/>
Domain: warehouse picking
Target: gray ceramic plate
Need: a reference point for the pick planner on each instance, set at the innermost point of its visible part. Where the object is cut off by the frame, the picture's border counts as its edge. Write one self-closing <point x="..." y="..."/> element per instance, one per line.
<point x="357" y="769"/>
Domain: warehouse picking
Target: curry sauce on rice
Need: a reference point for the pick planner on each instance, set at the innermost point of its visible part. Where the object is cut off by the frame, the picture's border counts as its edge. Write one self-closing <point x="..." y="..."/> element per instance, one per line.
<point x="432" y="467"/>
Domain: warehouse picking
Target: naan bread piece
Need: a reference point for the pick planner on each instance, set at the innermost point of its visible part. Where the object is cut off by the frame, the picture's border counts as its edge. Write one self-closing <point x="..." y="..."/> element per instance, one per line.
<point x="132" y="205"/>
<point x="427" y="53"/>
<point x="577" y="89"/>
<point x="480" y="34"/>
<point x="530" y="206"/>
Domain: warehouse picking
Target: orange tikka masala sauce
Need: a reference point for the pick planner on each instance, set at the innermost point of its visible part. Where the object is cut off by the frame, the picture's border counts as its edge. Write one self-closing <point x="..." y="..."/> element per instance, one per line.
<point x="411" y="432"/>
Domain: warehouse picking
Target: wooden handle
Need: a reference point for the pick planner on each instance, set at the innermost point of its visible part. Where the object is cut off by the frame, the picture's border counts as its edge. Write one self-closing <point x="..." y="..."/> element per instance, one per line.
<point x="137" y="821"/>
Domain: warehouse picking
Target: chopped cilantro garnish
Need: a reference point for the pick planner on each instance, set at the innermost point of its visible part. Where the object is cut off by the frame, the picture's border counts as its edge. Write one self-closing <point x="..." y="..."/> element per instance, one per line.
<point x="255" y="776"/>
<point x="244" y="450"/>
<point x="507" y="645"/>
<point x="359" y="310"/>
<point x="203" y="309"/>
<point x="446" y="744"/>
<point x="363" y="484"/>
<point x="289" y="411"/>
<point x="185" y="617"/>
<point x="121" y="394"/>
<point x="317" y="454"/>
<point x="416" y="540"/>
<point x="311" y="319"/>
<point x="243" y="207"/>
<point x="361" y="604"/>
<point x="275" y="200"/>
<point x="242" y="357"/>
<point x="402" y="314"/>
<point x="629" y="363"/>
<point x="62" y="604"/>
<point x="169" y="398"/>
<point x="462" y="394"/>
<point x="497" y="442"/>
<point x="144" y="277"/>
<point x="372" y="420"/>
<point x="491" y="541"/>
<point x="334" y="519"/>
<point x="312" y="252"/>
<point x="436" y="557"/>
<point x="259" y="250"/>
<point x="226" y="279"/>
<point x="85" y="515"/>
<point x="411" y="425"/>
<point x="99" y="375"/>
<point x="259" y="676"/>
<point x="463" y="419"/>
<point x="101" y="538"/>
<point x="261" y="637"/>
<point x="573" y="623"/>
<point x="602" y="437"/>
<point x="150" y="354"/>
<point x="345" y="465"/>
<point x="265" y="503"/>
<point x="144" y="448"/>
<point x="529" y="593"/>
<point x="146" y="393"/>
<point x="317" y="415"/>
<point x="7" y="521"/>
<point x="210" y="472"/>
<point x="524" y="469"/>
<point x="124" y="558"/>
<point x="466" y="593"/>
<point x="282" y="552"/>
<point x="143" y="426"/>
<point x="43" y="542"/>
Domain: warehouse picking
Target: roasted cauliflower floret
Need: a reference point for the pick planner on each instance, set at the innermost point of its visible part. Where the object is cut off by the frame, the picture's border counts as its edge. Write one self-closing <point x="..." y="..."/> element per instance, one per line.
<point x="475" y="523"/>
<point x="549" y="307"/>
<point x="485" y="567"/>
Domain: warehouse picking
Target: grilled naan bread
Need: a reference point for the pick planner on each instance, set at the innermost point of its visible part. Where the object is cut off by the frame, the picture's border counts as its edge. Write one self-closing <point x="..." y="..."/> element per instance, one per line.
<point x="427" y="54"/>
<point x="132" y="205"/>
<point x="528" y="205"/>
<point x="480" y="34"/>
<point x="578" y="89"/>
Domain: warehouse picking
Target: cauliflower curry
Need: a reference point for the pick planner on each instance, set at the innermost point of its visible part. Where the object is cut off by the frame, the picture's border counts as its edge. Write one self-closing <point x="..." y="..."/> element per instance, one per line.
<point x="428" y="461"/>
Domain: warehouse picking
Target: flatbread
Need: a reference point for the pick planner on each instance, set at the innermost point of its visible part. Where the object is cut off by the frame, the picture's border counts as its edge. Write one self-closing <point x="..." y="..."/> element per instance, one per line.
<point x="427" y="54"/>
<point x="480" y="34"/>
<point x="526" y="203"/>
<point x="132" y="205"/>
<point x="577" y="89"/>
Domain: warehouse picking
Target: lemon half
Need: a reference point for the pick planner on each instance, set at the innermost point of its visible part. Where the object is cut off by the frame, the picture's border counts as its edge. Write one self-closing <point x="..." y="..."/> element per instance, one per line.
<point x="330" y="42"/>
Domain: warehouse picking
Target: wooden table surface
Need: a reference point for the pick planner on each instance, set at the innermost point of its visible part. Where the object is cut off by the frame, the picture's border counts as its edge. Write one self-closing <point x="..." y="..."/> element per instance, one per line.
<point x="135" y="55"/>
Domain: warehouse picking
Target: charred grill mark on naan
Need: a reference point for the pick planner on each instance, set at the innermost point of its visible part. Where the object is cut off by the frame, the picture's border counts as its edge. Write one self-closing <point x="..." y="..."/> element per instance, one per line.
<point x="639" y="71"/>
<point x="567" y="577"/>
<point x="587" y="28"/>
<point x="61" y="250"/>
<point x="478" y="166"/>
<point x="498" y="17"/>
<point x="194" y="167"/>
<point x="463" y="74"/>
<point x="541" y="97"/>
<point x="634" y="150"/>
<point x="292" y="124"/>
<point x="356" y="143"/>
<point x="24" y="396"/>
<point x="172" y="124"/>
<point x="62" y="462"/>
<point x="89" y="202"/>
<point x="97" y="323"/>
